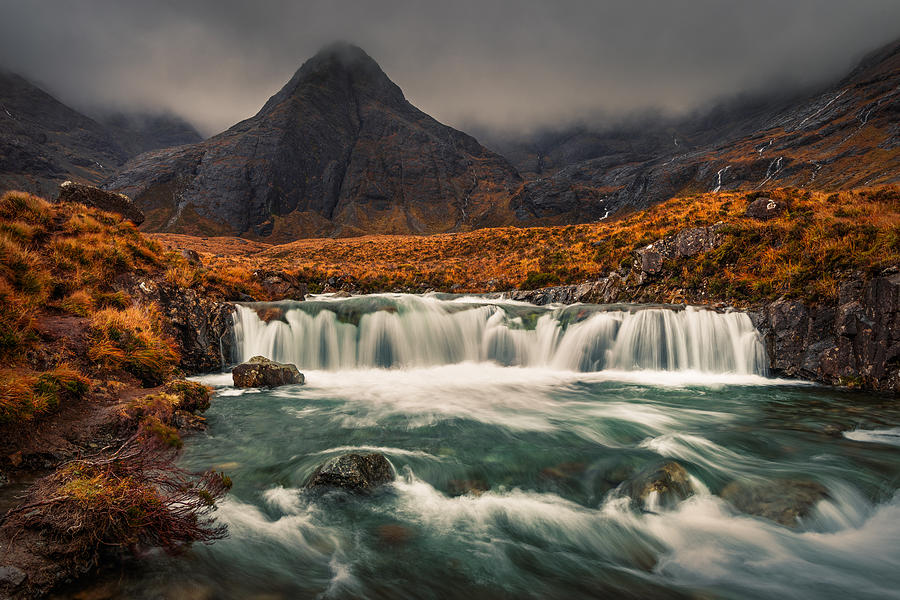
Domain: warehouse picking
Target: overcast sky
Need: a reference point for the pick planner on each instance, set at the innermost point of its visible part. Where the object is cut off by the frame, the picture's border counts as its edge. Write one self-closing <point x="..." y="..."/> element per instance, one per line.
<point x="511" y="65"/>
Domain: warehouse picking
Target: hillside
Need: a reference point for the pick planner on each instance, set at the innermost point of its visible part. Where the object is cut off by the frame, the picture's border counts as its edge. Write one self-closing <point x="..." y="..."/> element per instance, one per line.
<point x="338" y="151"/>
<point x="843" y="137"/>
<point x="43" y="142"/>
<point x="805" y="252"/>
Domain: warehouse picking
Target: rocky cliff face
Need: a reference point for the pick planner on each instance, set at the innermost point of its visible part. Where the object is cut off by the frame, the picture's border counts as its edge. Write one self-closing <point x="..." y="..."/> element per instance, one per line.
<point x="338" y="151"/>
<point x="854" y="341"/>
<point x="845" y="136"/>
<point x="43" y="142"/>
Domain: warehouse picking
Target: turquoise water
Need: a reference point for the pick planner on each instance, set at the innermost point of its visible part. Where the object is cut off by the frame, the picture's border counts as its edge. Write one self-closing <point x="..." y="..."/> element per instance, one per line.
<point x="508" y="485"/>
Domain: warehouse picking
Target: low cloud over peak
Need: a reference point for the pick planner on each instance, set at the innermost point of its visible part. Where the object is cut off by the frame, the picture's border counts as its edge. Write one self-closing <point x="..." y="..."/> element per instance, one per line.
<point x="508" y="65"/>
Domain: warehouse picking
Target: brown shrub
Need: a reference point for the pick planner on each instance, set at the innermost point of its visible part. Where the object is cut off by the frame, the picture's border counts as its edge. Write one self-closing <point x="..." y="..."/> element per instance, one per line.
<point x="132" y="340"/>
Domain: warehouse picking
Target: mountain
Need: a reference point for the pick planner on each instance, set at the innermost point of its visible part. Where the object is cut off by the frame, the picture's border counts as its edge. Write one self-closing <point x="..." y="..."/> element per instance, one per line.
<point x="845" y="136"/>
<point x="44" y="142"/>
<point x="338" y="151"/>
<point x="141" y="132"/>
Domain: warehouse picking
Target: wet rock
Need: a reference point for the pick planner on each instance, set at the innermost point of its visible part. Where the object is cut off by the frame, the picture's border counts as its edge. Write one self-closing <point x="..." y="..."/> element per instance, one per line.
<point x="783" y="501"/>
<point x="11" y="576"/>
<point x="854" y="342"/>
<point x="267" y="314"/>
<point x="342" y="294"/>
<point x="260" y="371"/>
<point x="280" y="285"/>
<point x="69" y="191"/>
<point x="461" y="487"/>
<point x="353" y="472"/>
<point x="394" y="534"/>
<point x="199" y="325"/>
<point x="764" y="209"/>
<point x="3" y="479"/>
<point x="659" y="485"/>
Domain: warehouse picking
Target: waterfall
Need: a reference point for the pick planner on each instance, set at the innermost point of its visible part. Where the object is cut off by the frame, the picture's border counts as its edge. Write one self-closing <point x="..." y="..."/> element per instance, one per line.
<point x="394" y="331"/>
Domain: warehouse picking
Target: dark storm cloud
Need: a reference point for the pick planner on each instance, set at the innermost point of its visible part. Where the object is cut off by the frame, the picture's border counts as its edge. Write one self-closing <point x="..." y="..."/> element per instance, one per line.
<point x="502" y="64"/>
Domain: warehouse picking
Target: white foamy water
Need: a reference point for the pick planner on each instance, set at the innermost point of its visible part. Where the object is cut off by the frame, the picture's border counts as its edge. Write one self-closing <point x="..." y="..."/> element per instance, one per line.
<point x="416" y="331"/>
<point x="516" y="433"/>
<point x="876" y="436"/>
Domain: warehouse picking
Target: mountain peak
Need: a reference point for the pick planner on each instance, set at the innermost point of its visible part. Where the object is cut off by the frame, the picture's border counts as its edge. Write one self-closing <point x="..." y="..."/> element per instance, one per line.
<point x="344" y="53"/>
<point x="339" y="66"/>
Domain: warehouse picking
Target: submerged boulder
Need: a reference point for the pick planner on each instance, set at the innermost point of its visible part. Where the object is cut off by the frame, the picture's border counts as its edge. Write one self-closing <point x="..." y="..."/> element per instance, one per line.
<point x="69" y="191"/>
<point x="660" y="485"/>
<point x="260" y="371"/>
<point x="784" y="501"/>
<point x="353" y="472"/>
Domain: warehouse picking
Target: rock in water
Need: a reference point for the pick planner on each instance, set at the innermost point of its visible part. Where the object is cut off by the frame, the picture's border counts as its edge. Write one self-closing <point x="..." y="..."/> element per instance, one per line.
<point x="259" y="371"/>
<point x="69" y="191"/>
<point x="659" y="486"/>
<point x="353" y="472"/>
<point x="784" y="501"/>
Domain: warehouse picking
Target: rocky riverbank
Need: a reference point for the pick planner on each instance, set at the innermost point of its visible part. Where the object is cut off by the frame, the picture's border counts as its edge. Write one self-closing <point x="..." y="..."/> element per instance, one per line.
<point x="852" y="341"/>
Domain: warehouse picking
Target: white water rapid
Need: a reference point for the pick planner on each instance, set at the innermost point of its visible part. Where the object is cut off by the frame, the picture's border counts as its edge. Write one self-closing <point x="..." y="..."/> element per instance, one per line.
<point x="406" y="331"/>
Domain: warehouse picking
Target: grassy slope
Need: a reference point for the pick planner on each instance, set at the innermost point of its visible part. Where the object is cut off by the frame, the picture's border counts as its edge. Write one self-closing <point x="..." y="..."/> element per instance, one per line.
<point x="823" y="239"/>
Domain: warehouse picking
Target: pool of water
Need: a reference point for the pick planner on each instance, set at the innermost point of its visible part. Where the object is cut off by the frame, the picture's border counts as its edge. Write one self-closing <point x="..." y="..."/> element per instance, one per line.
<point x="508" y="485"/>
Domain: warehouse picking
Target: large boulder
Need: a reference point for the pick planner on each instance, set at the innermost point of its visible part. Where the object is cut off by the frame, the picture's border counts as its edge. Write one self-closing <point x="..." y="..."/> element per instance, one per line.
<point x="280" y="285"/>
<point x="353" y="472"/>
<point x="694" y="240"/>
<point x="69" y="191"/>
<point x="662" y="485"/>
<point x="784" y="501"/>
<point x="259" y="371"/>
<point x="764" y="209"/>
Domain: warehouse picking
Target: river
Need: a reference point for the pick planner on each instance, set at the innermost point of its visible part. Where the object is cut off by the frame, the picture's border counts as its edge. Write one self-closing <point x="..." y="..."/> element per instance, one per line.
<point x="511" y="429"/>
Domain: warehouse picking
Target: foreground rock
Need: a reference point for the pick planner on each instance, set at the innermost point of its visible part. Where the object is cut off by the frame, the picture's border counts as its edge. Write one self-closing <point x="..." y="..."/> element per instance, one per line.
<point x="259" y="371"/>
<point x="200" y="324"/>
<point x="353" y="472"/>
<point x="659" y="486"/>
<point x="784" y="501"/>
<point x="88" y="195"/>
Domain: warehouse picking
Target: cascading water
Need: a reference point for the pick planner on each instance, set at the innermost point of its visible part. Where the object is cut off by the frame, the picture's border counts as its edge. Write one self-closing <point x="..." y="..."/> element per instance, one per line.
<point x="521" y="438"/>
<point x="416" y="331"/>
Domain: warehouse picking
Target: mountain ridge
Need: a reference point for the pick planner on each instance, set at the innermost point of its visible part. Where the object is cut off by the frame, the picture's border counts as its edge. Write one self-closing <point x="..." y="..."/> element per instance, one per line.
<point x="337" y="151"/>
<point x="44" y="142"/>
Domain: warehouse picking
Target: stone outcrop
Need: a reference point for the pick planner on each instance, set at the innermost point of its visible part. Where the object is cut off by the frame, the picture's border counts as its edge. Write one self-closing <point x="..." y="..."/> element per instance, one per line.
<point x="764" y="209"/>
<point x="783" y="501"/>
<point x="260" y="371"/>
<point x="684" y="244"/>
<point x="201" y="326"/>
<point x="853" y="342"/>
<point x="661" y="485"/>
<point x="281" y="285"/>
<point x="353" y="473"/>
<point x="69" y="191"/>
